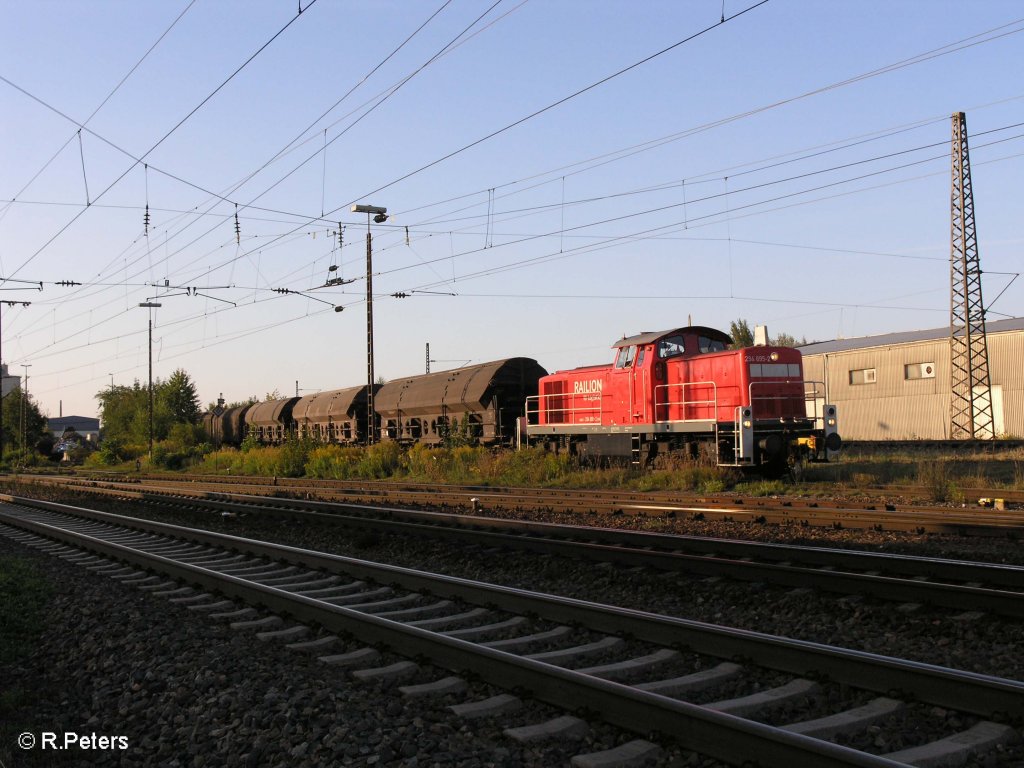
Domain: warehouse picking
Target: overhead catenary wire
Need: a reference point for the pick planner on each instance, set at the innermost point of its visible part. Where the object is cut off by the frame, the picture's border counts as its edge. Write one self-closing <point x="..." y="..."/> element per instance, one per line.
<point x="447" y="47"/>
<point x="948" y="48"/>
<point x="615" y="239"/>
<point x="918" y="58"/>
<point x="103" y="103"/>
<point x="790" y="300"/>
<point x="494" y="230"/>
<point x="162" y="139"/>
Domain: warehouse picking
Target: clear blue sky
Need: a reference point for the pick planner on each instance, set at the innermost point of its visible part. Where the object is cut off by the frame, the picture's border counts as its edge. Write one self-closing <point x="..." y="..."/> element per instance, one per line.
<point x="777" y="167"/>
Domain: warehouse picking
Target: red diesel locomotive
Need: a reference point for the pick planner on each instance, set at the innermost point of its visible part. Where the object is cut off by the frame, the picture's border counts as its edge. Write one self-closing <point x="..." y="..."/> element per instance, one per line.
<point x="685" y="390"/>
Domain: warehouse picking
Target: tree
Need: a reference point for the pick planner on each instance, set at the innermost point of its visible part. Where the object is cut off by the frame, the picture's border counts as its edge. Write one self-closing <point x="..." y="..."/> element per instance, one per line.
<point x="124" y="410"/>
<point x="785" y="340"/>
<point x="741" y="334"/>
<point x="124" y="413"/>
<point x="20" y="433"/>
<point x="179" y="394"/>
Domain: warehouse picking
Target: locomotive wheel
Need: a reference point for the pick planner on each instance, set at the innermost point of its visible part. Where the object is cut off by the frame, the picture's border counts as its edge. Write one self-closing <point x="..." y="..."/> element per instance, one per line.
<point x="797" y="465"/>
<point x="775" y="469"/>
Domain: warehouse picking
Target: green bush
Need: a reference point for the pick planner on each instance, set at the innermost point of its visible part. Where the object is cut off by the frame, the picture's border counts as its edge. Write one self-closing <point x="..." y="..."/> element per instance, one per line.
<point x="23" y="457"/>
<point x="292" y="456"/>
<point x="333" y="462"/>
<point x="112" y="451"/>
<point x="380" y="461"/>
<point x="249" y="443"/>
<point x="937" y="477"/>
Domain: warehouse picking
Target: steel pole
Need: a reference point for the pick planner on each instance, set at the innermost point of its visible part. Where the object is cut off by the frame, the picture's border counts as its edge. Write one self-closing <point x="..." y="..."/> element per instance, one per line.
<point x="24" y="409"/>
<point x="151" y="386"/>
<point x="1" y="388"/>
<point x="371" y="431"/>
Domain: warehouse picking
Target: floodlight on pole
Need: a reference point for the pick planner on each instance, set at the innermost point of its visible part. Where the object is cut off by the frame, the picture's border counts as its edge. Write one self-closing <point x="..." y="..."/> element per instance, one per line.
<point x="149" y="305"/>
<point x="380" y="215"/>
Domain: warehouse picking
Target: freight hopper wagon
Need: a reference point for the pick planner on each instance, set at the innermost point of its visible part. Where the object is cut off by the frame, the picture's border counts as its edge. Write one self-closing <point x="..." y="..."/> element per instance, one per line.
<point x="270" y="422"/>
<point x="336" y="416"/>
<point x="482" y="402"/>
<point x="225" y="426"/>
<point x="684" y="390"/>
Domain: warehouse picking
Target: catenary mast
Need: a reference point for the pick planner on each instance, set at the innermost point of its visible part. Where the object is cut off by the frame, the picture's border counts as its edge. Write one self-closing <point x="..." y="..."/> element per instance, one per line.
<point x="971" y="415"/>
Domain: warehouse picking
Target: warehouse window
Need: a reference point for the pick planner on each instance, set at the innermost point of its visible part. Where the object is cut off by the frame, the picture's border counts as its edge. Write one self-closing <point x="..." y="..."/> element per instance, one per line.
<point x="919" y="371"/>
<point x="863" y="376"/>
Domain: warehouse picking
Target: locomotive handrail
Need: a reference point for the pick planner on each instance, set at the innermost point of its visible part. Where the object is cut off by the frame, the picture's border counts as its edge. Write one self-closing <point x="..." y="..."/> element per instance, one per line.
<point x="812" y="398"/>
<point x="713" y="402"/>
<point x="772" y="398"/>
<point x="570" y="408"/>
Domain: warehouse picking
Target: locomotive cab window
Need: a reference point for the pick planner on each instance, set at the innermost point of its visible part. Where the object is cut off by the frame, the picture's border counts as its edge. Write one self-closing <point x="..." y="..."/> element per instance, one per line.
<point x="671" y="346"/>
<point x="711" y="345"/>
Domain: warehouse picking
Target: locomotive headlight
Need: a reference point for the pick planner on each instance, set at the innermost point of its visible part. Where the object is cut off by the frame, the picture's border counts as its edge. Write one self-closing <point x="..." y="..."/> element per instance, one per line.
<point x="774" y="356"/>
<point x="831" y="422"/>
<point x="747" y="424"/>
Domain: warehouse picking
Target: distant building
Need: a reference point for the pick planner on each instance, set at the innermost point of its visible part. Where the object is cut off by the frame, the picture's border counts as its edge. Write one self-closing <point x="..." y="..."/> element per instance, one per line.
<point x="897" y="386"/>
<point x="86" y="428"/>
<point x="8" y="383"/>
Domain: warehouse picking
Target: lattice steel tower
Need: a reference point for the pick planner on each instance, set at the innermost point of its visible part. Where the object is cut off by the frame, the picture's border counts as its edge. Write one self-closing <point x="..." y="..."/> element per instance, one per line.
<point x="970" y="413"/>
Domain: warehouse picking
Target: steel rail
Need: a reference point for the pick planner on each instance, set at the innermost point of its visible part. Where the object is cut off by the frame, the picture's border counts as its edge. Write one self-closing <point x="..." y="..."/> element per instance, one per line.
<point x="575" y="499"/>
<point x="872" y="515"/>
<point x="959" y="690"/>
<point x="723" y="736"/>
<point x="386" y="486"/>
<point x="672" y="552"/>
<point x="953" y="570"/>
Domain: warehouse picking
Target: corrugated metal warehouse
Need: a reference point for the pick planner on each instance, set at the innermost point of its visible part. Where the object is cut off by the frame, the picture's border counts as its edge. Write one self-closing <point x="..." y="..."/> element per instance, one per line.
<point x="897" y="386"/>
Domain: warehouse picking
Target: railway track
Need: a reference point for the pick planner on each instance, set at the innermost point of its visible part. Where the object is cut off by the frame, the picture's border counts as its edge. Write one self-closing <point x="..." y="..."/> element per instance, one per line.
<point x="643" y="672"/>
<point x="915" y="492"/>
<point x="955" y="584"/>
<point x="864" y="515"/>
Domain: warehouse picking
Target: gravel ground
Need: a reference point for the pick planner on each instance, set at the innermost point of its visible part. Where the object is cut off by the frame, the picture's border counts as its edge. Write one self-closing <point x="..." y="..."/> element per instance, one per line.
<point x="188" y="691"/>
<point x="989" y="645"/>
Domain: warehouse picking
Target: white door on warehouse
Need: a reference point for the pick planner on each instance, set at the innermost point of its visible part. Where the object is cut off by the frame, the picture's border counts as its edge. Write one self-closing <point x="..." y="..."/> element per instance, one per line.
<point x="998" y="424"/>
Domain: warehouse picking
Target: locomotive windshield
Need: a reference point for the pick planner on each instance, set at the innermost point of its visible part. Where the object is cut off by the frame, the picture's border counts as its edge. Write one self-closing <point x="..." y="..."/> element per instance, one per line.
<point x="625" y="357"/>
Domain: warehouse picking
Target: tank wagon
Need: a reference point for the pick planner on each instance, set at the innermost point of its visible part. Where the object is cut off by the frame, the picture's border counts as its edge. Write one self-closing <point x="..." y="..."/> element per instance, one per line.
<point x="485" y="400"/>
<point x="684" y="390"/>
<point x="337" y="416"/>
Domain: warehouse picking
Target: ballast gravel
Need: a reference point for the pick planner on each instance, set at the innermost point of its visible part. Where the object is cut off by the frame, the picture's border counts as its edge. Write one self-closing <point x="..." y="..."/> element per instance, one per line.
<point x="961" y="640"/>
<point x="968" y="641"/>
<point x="185" y="690"/>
